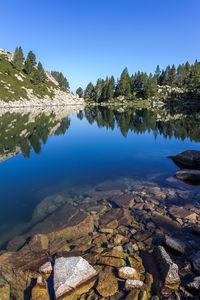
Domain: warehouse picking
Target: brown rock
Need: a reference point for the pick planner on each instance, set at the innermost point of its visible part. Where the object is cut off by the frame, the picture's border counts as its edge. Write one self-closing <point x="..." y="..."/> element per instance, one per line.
<point x="16" y="243"/>
<point x="40" y="290"/>
<point x="59" y="245"/>
<point x="107" y="284"/>
<point x="39" y="242"/>
<point x="122" y="215"/>
<point x="136" y="263"/>
<point x="4" y="290"/>
<point x="66" y="222"/>
<point x="133" y="295"/>
<point x="124" y="201"/>
<point x="120" y="239"/>
<point x="115" y="253"/>
<point x="183" y="213"/>
<point x="111" y="261"/>
<point x="188" y="159"/>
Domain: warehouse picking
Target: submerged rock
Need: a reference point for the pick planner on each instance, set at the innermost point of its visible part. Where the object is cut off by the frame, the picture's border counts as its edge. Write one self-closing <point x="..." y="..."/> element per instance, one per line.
<point x="188" y="159"/>
<point x="70" y="273"/>
<point x="66" y="222"/>
<point x="196" y="262"/>
<point x="194" y="285"/>
<point x="175" y="245"/>
<point x="168" y="269"/>
<point x="190" y="176"/>
<point x="125" y="200"/>
<point x="196" y="229"/>
<point x="107" y="283"/>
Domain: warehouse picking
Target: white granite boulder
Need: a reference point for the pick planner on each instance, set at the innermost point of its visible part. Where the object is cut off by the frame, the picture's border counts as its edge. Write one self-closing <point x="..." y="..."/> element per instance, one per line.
<point x="70" y="273"/>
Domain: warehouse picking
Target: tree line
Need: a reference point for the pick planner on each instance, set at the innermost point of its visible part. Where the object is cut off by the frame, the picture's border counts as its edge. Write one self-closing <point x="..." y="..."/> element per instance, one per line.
<point x="35" y="70"/>
<point x="143" y="85"/>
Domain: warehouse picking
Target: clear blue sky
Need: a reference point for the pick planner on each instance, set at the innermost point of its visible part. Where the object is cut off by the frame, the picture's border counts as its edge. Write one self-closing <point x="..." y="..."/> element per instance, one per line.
<point x="87" y="39"/>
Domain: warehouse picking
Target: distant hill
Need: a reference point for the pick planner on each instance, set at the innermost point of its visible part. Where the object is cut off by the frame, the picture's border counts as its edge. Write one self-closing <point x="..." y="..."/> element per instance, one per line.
<point x="24" y="82"/>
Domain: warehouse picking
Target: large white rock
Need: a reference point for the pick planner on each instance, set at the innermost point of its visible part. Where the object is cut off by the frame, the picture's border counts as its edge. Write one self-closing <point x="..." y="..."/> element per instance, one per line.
<point x="69" y="273"/>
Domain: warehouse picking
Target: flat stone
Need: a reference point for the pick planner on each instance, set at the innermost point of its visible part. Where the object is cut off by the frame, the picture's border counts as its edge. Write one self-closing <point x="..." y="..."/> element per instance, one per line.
<point x="107" y="283"/>
<point x="175" y="245"/>
<point x="124" y="201"/>
<point x="58" y="245"/>
<point x="195" y="259"/>
<point x="136" y="263"/>
<point x="181" y="212"/>
<point x="111" y="261"/>
<point x="169" y="270"/>
<point x="188" y="159"/>
<point x="70" y="273"/>
<point x="190" y="176"/>
<point x="122" y="215"/>
<point x="66" y="222"/>
<point x="128" y="273"/>
<point x="115" y="253"/>
<point x="133" y="284"/>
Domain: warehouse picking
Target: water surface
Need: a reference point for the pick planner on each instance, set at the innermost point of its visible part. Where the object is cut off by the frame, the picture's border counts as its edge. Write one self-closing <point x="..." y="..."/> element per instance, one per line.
<point x="60" y="151"/>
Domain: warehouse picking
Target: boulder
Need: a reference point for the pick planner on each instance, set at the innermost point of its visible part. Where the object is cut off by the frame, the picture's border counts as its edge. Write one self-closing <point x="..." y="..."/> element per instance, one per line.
<point x="70" y="273"/>
<point x="175" y="245"/>
<point x="190" y="176"/>
<point x="107" y="283"/>
<point x="195" y="259"/>
<point x="66" y="222"/>
<point x="46" y="268"/>
<point x="128" y="273"/>
<point x="169" y="270"/>
<point x="188" y="159"/>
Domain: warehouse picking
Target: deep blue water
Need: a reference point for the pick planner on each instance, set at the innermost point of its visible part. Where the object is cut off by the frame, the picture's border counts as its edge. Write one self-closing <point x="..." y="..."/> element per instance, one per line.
<point x="84" y="154"/>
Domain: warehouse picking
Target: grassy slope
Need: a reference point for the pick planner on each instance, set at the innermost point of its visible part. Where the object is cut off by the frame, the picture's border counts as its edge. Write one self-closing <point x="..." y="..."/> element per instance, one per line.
<point x="11" y="88"/>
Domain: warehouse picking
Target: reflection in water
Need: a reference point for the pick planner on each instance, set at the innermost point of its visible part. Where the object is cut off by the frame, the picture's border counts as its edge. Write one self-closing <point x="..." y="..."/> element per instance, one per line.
<point x="22" y="131"/>
<point x="159" y="121"/>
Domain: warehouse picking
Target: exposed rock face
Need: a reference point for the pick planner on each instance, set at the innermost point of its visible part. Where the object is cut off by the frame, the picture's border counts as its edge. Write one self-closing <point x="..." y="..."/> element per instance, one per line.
<point x="175" y="245"/>
<point x="107" y="284"/>
<point x="66" y="222"/>
<point x="188" y="159"/>
<point x="190" y="176"/>
<point x="196" y="262"/>
<point x="71" y="272"/>
<point x="168" y="269"/>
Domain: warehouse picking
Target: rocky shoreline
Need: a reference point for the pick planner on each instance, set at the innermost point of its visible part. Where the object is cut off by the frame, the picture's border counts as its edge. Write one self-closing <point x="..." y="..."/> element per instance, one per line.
<point x="124" y="239"/>
<point x="60" y="99"/>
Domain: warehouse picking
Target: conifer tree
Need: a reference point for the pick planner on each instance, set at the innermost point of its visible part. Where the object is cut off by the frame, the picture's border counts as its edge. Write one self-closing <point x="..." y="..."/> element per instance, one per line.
<point x="18" y="59"/>
<point x="79" y="92"/>
<point x="30" y="63"/>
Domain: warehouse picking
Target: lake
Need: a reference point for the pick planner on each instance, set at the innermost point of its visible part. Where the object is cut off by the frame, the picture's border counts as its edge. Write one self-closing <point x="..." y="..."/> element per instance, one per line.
<point x="67" y="151"/>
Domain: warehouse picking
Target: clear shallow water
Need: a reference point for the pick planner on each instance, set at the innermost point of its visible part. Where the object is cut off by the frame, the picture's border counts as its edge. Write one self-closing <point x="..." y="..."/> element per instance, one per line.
<point x="67" y="151"/>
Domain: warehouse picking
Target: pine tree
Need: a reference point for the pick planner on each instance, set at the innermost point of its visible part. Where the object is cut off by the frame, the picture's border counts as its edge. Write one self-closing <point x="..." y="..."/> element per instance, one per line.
<point x="124" y="84"/>
<point x="30" y="63"/>
<point x="157" y="73"/>
<point x="111" y="87"/>
<point x="61" y="79"/>
<point x="89" y="91"/>
<point x="79" y="92"/>
<point x="38" y="75"/>
<point x="18" y="59"/>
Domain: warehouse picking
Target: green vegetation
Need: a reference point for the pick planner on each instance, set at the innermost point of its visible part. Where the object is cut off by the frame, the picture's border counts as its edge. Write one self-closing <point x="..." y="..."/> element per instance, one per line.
<point x="17" y="75"/>
<point x="171" y="82"/>
<point x="61" y="79"/>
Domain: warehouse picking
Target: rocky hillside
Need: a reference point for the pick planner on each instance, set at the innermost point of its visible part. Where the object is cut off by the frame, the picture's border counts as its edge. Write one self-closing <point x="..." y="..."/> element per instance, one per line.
<point x="17" y="88"/>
